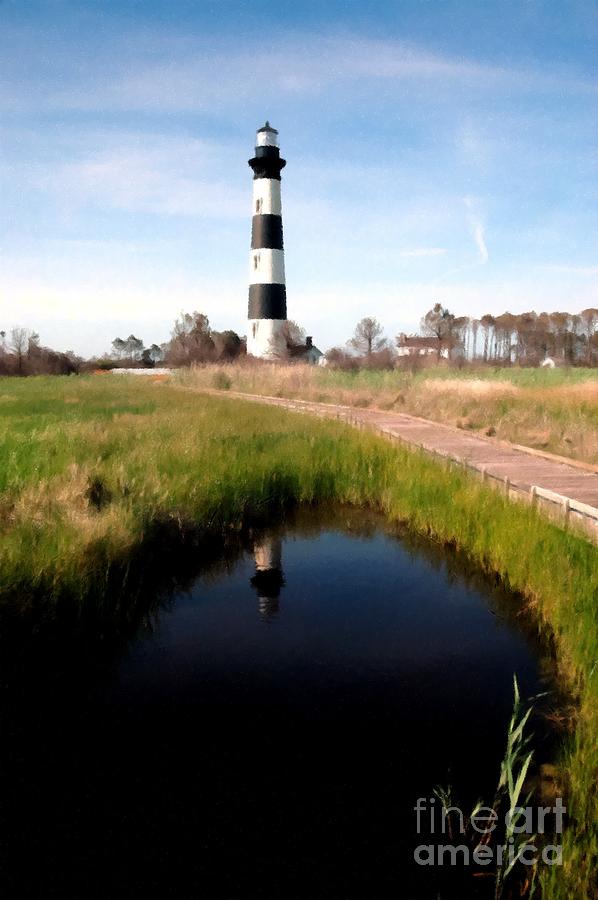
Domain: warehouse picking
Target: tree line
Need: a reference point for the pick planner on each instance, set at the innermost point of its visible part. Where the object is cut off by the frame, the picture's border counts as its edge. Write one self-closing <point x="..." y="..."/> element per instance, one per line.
<point x="21" y="353"/>
<point x="509" y="339"/>
<point x="192" y="340"/>
<point x="524" y="338"/>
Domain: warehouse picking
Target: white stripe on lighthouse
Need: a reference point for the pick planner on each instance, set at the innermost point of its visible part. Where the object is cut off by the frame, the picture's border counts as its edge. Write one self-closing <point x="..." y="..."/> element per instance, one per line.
<point x="266" y="338"/>
<point x="266" y="267"/>
<point x="266" y="197"/>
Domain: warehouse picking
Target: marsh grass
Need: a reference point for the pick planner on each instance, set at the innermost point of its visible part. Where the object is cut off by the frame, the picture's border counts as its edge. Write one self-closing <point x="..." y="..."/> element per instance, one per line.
<point x="509" y="806"/>
<point x="550" y="409"/>
<point x="96" y="471"/>
<point x="513" y="773"/>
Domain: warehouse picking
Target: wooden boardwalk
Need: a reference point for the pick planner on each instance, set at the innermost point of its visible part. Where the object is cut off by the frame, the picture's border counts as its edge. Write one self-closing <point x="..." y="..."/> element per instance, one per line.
<point x="565" y="489"/>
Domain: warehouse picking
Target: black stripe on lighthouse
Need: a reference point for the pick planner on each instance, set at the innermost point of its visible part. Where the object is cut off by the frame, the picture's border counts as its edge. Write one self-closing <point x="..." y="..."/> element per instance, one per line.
<point x="267" y="301"/>
<point x="267" y="163"/>
<point x="266" y="232"/>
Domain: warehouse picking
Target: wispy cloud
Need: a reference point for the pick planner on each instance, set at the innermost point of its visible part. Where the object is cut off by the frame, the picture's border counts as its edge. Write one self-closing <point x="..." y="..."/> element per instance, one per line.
<point x="477" y="229"/>
<point x="140" y="172"/>
<point x="478" y="234"/>
<point x="176" y="72"/>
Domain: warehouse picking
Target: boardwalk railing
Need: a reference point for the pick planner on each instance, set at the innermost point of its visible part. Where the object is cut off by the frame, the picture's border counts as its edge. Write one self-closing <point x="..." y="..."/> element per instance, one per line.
<point x="567" y="511"/>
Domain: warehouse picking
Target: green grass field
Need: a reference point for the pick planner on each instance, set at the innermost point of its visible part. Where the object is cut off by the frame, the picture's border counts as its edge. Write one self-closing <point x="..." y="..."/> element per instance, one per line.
<point x="93" y="469"/>
<point x="549" y="409"/>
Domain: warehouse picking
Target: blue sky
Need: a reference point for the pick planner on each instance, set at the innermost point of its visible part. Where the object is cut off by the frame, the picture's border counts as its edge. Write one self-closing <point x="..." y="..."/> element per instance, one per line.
<point x="437" y="151"/>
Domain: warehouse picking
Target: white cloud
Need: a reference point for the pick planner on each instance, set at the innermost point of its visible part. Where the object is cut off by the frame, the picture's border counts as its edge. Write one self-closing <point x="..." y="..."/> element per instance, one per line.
<point x="584" y="271"/>
<point x="77" y="304"/>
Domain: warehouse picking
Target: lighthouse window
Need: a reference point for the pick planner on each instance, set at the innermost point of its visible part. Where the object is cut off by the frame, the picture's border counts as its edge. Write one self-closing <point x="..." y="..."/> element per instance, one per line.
<point x="254" y="329"/>
<point x="258" y="205"/>
<point x="256" y="260"/>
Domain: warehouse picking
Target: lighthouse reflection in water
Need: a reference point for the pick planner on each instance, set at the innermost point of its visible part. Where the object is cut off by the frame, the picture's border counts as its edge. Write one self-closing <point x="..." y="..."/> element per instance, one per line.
<point x="268" y="580"/>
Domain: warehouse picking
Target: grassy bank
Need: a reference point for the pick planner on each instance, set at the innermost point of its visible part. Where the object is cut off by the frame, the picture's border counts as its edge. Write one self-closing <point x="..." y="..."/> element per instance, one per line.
<point x="91" y="468"/>
<point x="550" y="409"/>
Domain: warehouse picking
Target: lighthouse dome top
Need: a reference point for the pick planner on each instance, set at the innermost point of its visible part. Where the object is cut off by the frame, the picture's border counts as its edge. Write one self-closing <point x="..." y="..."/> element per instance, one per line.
<point x="267" y="127"/>
<point x="267" y="136"/>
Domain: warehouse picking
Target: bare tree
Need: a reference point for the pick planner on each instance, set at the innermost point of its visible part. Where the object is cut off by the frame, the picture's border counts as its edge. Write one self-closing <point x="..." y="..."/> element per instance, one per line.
<point x="19" y="344"/>
<point x="461" y="330"/>
<point x="438" y="322"/>
<point x="294" y="334"/>
<point x="339" y="358"/>
<point x="134" y="347"/>
<point x="475" y="324"/>
<point x="32" y="343"/>
<point x="191" y="340"/>
<point x="589" y="324"/>
<point x="487" y="323"/>
<point x="119" y="346"/>
<point x="368" y="336"/>
<point x="151" y="355"/>
<point x="227" y="345"/>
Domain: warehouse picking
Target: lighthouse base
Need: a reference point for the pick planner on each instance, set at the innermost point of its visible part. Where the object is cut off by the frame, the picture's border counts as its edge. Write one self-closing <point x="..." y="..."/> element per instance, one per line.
<point x="266" y="338"/>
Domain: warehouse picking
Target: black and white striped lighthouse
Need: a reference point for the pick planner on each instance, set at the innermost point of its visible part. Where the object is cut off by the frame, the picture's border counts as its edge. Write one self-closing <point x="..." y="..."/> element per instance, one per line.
<point x="266" y="333"/>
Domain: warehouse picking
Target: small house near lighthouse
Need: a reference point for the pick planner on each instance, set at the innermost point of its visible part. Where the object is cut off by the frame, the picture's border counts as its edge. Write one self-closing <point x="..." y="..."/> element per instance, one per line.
<point x="266" y="328"/>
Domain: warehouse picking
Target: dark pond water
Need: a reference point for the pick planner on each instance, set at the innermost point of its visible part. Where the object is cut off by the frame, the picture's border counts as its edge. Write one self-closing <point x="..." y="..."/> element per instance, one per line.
<point x="264" y="731"/>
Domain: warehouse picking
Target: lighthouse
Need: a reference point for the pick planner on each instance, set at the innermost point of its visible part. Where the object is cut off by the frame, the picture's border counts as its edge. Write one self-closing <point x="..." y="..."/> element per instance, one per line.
<point x="269" y="578"/>
<point x="266" y="331"/>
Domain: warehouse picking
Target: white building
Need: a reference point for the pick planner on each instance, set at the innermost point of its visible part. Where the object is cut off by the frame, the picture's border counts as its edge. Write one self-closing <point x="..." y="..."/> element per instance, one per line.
<point x="416" y="345"/>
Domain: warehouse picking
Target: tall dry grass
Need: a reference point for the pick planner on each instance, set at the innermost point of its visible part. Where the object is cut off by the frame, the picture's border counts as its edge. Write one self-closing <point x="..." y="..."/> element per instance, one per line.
<point x="553" y="410"/>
